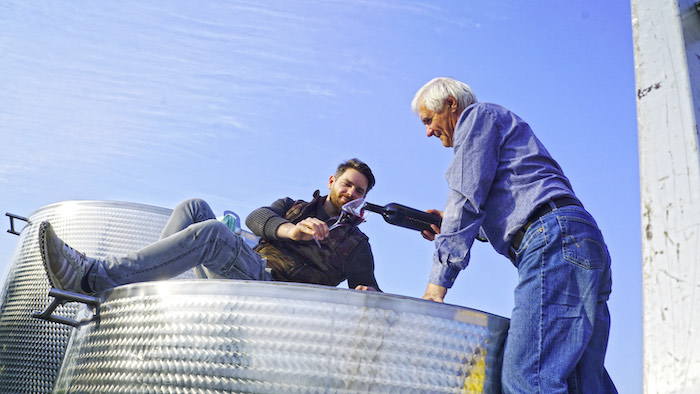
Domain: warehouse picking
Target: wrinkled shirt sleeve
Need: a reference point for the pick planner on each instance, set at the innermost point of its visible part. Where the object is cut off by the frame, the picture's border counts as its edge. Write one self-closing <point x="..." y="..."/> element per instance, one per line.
<point x="469" y="177"/>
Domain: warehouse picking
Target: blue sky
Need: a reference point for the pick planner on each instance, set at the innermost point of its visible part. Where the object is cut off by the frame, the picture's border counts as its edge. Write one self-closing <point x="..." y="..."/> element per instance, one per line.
<point x="241" y="103"/>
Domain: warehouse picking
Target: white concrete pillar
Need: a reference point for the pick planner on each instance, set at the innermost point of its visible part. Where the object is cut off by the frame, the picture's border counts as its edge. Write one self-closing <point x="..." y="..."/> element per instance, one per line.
<point x="667" y="68"/>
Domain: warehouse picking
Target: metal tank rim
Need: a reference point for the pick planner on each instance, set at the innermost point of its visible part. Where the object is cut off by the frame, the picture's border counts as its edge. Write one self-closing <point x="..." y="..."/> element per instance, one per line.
<point x="307" y="292"/>
<point x="102" y="203"/>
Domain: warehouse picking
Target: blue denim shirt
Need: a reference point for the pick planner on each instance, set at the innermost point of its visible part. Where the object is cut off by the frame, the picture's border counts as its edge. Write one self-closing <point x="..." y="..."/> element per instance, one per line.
<point x="499" y="174"/>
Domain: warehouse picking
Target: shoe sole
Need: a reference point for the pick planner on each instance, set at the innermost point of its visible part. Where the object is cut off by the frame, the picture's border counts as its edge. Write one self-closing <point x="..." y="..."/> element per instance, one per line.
<point x="43" y="248"/>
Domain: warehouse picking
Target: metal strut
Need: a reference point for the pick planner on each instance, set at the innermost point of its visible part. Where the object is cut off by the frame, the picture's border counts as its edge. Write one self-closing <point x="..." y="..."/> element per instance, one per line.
<point x="61" y="297"/>
<point x="12" y="222"/>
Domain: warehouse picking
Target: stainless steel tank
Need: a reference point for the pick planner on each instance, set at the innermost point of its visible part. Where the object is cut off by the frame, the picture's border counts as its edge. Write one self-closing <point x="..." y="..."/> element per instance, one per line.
<point x="31" y="350"/>
<point x="266" y="337"/>
<point x="227" y="336"/>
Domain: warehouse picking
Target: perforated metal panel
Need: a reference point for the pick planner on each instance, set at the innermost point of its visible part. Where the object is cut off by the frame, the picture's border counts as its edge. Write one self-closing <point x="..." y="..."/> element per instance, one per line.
<point x="266" y="337"/>
<point x="223" y="336"/>
<point x="31" y="351"/>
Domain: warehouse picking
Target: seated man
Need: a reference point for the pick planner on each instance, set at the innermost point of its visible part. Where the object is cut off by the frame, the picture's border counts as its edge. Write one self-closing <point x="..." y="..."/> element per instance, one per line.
<point x="295" y="242"/>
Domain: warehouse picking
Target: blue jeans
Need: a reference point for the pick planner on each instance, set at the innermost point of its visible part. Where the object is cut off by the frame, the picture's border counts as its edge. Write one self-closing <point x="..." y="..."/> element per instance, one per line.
<point x="192" y="236"/>
<point x="560" y="323"/>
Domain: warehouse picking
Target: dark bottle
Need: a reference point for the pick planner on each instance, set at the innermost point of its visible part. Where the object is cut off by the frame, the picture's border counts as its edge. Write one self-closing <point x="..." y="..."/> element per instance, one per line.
<point x="403" y="216"/>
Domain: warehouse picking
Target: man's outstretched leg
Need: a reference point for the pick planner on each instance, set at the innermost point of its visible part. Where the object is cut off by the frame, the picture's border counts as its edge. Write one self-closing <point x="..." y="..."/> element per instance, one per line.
<point x="193" y="210"/>
<point x="210" y="243"/>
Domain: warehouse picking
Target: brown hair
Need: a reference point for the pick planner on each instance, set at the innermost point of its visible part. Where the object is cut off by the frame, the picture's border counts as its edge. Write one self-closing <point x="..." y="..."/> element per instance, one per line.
<point x="359" y="166"/>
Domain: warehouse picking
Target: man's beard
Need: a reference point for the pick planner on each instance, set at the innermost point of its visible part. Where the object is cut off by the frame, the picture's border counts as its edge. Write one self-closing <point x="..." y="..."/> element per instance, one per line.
<point x="337" y="202"/>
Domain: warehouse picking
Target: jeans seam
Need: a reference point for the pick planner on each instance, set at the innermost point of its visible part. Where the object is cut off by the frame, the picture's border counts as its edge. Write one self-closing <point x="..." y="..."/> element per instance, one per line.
<point x="234" y="268"/>
<point x="540" y="339"/>
<point x="165" y="263"/>
<point x="536" y="227"/>
<point x="232" y="261"/>
<point x="526" y="243"/>
<point x="207" y="243"/>
<point x="540" y="331"/>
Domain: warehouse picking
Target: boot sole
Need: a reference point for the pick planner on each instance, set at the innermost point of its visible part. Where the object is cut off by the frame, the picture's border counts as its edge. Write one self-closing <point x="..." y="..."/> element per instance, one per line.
<point x="44" y="257"/>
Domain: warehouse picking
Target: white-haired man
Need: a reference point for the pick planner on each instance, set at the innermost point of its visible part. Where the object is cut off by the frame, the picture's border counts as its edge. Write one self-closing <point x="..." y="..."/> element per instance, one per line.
<point x="504" y="183"/>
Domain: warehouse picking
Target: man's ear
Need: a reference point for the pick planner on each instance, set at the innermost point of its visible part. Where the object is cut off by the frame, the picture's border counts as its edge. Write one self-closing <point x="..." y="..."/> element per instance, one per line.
<point x="330" y="181"/>
<point x="451" y="104"/>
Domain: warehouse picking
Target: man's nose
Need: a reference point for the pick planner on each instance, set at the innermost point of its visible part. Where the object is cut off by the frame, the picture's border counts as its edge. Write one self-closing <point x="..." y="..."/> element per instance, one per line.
<point x="429" y="131"/>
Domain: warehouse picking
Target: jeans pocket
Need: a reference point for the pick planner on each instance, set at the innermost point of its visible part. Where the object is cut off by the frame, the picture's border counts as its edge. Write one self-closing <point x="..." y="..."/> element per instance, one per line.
<point x="582" y="243"/>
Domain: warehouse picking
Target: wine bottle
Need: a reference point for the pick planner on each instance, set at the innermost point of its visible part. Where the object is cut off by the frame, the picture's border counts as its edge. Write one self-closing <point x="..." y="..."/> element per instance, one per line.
<point x="403" y="216"/>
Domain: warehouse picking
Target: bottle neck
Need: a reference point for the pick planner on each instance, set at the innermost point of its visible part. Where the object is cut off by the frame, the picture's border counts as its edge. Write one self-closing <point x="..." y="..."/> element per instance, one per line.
<point x="373" y="207"/>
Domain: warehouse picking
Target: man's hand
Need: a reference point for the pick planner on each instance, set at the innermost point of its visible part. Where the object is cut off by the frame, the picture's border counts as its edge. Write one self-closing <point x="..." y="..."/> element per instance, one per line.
<point x="304" y="230"/>
<point x="365" y="288"/>
<point x="435" y="293"/>
<point x="430" y="236"/>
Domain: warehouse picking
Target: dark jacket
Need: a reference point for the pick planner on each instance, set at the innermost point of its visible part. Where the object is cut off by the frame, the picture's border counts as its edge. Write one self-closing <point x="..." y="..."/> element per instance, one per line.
<point x="304" y="261"/>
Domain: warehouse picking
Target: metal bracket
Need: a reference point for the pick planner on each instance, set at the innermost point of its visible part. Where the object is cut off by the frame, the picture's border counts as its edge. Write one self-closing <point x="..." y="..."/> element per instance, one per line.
<point x="61" y="297"/>
<point x="12" y="222"/>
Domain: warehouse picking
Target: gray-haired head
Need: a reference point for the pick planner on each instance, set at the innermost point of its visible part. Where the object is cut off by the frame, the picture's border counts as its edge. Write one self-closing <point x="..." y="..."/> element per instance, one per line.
<point x="434" y="93"/>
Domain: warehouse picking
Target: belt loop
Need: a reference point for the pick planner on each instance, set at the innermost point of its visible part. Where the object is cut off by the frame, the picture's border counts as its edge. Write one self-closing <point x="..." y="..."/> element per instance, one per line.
<point x="512" y="256"/>
<point x="552" y="204"/>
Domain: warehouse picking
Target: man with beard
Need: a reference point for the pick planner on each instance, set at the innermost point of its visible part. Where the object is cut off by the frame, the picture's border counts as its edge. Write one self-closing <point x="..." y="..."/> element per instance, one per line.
<point x="295" y="245"/>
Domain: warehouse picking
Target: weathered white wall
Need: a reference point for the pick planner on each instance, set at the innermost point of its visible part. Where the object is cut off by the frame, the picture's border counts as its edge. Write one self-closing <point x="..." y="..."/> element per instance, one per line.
<point x="667" y="62"/>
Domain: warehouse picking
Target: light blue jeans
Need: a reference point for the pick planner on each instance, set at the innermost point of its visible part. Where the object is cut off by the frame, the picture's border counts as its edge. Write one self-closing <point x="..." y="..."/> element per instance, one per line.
<point x="192" y="236"/>
<point x="560" y="323"/>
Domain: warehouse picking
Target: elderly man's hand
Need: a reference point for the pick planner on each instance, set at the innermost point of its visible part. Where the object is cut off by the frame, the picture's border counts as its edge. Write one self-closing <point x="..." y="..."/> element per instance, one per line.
<point x="435" y="293"/>
<point x="430" y="236"/>
<point x="365" y="288"/>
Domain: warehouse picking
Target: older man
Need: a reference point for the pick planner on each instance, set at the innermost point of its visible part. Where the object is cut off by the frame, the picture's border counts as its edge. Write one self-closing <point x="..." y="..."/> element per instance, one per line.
<point x="503" y="181"/>
<point x="295" y="243"/>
